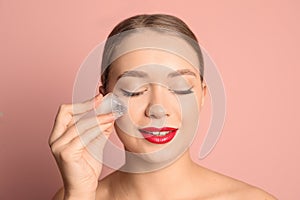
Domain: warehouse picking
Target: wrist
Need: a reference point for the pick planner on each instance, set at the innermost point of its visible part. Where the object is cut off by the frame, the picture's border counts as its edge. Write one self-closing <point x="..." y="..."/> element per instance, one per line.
<point x="80" y="195"/>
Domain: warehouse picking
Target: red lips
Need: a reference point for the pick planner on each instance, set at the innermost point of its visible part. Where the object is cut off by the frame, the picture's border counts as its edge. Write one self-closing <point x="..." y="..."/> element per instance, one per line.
<point x="158" y="135"/>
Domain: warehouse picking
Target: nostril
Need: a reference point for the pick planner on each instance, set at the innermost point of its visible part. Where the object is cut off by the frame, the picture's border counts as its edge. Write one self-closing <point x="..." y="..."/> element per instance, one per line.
<point x="156" y="111"/>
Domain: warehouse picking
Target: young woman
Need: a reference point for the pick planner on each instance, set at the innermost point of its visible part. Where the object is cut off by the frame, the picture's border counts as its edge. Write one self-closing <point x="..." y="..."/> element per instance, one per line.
<point x="157" y="69"/>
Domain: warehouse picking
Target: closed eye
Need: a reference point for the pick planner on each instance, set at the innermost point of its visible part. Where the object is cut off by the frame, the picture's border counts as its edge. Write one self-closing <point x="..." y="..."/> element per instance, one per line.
<point x="182" y="92"/>
<point x="132" y="94"/>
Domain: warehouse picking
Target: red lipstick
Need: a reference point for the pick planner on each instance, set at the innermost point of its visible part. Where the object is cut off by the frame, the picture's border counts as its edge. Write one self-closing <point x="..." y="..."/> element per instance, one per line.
<point x="158" y="135"/>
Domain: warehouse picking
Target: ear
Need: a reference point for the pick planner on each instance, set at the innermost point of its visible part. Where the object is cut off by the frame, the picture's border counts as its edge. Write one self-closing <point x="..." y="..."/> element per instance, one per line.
<point x="102" y="90"/>
<point x="204" y="91"/>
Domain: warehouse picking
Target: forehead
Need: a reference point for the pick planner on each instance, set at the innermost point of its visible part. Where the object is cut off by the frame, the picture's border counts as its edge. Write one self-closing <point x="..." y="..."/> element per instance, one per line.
<point x="149" y="38"/>
<point x="153" y="46"/>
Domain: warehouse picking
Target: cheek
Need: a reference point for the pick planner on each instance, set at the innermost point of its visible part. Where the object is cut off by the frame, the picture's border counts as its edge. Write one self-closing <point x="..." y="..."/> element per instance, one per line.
<point x="198" y="95"/>
<point x="136" y="110"/>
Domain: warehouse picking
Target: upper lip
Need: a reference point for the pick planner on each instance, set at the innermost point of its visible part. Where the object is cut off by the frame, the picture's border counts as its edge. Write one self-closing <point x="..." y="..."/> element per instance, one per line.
<point x="154" y="129"/>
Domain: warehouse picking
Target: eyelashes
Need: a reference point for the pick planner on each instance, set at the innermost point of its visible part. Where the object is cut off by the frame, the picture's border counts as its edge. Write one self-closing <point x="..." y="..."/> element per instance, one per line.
<point x="132" y="94"/>
<point x="179" y="92"/>
<point x="182" y="92"/>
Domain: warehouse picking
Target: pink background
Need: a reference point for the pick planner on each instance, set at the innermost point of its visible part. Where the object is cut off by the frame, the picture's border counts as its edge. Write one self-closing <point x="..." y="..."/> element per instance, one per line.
<point x="255" y="45"/>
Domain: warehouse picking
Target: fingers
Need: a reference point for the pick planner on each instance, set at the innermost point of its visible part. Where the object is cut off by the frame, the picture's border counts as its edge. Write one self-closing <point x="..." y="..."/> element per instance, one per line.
<point x="66" y="113"/>
<point x="95" y="134"/>
<point x="82" y="125"/>
<point x="93" y="140"/>
<point x="77" y="130"/>
<point x="81" y="108"/>
<point x="95" y="143"/>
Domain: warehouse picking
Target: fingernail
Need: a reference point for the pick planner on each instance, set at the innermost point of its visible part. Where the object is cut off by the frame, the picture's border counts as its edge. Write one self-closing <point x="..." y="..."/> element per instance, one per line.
<point x="98" y="96"/>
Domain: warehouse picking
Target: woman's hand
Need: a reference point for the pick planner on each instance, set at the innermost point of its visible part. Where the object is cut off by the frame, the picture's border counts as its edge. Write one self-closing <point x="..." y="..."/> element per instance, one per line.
<point x="71" y="140"/>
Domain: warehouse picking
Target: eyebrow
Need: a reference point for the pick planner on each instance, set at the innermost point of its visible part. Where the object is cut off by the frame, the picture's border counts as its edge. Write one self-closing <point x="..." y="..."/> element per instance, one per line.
<point x="181" y="72"/>
<point x="141" y="74"/>
<point x="133" y="73"/>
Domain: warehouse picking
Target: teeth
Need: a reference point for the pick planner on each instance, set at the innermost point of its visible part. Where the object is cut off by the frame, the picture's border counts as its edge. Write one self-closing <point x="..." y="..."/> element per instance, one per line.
<point x="155" y="133"/>
<point x="164" y="132"/>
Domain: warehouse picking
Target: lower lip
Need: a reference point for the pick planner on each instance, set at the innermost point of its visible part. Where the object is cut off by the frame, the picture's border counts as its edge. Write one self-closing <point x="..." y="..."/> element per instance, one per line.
<point x="159" y="139"/>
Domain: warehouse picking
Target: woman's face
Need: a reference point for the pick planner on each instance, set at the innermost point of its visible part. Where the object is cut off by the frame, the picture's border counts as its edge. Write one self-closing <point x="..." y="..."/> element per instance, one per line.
<point x="164" y="96"/>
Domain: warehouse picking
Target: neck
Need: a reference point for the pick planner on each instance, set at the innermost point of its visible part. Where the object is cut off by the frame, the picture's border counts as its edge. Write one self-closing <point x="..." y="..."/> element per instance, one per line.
<point x="160" y="183"/>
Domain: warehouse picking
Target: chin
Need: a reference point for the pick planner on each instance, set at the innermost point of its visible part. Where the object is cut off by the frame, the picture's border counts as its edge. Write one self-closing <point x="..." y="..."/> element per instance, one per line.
<point x="151" y="157"/>
<point x="164" y="156"/>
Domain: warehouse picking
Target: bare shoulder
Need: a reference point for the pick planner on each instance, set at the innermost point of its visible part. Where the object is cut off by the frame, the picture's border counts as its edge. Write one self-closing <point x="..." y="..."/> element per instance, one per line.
<point x="59" y="195"/>
<point x="229" y="188"/>
<point x="101" y="193"/>
<point x="251" y="192"/>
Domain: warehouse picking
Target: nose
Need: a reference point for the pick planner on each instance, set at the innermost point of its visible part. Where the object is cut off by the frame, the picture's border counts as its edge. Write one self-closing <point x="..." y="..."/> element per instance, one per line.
<point x="156" y="107"/>
<point x="156" y="111"/>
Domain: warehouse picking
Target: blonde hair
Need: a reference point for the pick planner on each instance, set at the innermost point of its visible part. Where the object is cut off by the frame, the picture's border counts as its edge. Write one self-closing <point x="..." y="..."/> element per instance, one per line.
<point x="165" y="22"/>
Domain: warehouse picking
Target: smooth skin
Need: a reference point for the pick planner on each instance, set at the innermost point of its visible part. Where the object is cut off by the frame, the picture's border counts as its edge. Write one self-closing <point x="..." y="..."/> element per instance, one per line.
<point x="183" y="179"/>
<point x="80" y="171"/>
